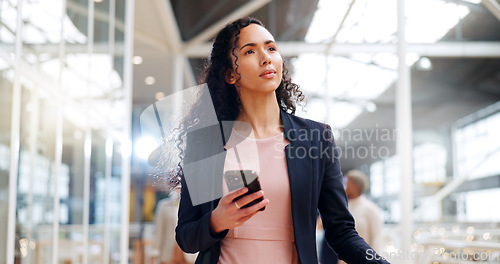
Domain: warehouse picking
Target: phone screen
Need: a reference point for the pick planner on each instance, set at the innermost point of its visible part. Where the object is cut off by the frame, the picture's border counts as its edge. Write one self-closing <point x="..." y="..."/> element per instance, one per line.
<point x="236" y="179"/>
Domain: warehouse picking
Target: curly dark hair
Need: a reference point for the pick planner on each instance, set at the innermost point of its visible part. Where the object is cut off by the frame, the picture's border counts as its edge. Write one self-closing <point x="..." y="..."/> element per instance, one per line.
<point x="224" y="96"/>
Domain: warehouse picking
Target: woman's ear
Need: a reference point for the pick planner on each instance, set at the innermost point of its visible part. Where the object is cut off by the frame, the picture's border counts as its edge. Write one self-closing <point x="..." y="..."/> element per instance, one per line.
<point x="230" y="79"/>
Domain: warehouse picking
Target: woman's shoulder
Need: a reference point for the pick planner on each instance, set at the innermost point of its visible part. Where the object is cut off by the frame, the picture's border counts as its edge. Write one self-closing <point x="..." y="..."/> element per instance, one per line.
<point x="301" y="122"/>
<point x="303" y="128"/>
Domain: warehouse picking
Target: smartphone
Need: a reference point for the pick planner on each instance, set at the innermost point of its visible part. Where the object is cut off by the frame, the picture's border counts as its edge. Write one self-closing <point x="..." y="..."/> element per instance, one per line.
<point x="236" y="179"/>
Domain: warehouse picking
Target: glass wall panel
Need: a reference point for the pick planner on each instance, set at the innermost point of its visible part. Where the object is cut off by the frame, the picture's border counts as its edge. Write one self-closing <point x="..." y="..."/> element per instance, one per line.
<point x="8" y="27"/>
<point x="97" y="172"/>
<point x="88" y="90"/>
<point x="117" y="120"/>
<point x="5" y="124"/>
<point x="36" y="175"/>
<point x="114" y="206"/>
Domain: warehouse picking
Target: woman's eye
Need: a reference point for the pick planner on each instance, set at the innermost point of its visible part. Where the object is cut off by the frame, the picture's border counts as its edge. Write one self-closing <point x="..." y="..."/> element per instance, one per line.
<point x="272" y="49"/>
<point x="249" y="52"/>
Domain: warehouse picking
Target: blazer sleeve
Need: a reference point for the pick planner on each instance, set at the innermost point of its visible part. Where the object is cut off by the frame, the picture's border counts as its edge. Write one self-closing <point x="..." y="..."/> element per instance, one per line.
<point x="337" y="220"/>
<point x="193" y="226"/>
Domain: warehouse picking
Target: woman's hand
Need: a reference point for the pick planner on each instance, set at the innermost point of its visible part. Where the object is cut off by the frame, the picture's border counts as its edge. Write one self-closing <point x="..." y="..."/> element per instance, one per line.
<point x="229" y="214"/>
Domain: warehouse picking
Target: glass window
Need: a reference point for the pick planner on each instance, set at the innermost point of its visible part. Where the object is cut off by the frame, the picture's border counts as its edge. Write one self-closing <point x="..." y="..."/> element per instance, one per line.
<point x="479" y="206"/>
<point x="377" y="179"/>
<point x="429" y="163"/>
<point x="392" y="176"/>
<point x="91" y="84"/>
<point x="478" y="147"/>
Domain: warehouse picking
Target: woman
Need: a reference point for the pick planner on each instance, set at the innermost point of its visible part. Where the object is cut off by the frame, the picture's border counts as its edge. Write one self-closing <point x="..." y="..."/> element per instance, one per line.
<point x="297" y="164"/>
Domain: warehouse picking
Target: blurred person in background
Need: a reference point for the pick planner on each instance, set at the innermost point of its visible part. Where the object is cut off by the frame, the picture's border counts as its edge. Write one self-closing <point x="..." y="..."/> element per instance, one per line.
<point x="367" y="215"/>
<point x="165" y="248"/>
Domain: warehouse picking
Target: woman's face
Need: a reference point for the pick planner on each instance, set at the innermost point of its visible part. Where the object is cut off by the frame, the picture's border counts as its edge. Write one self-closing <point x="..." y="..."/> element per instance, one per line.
<point x="259" y="62"/>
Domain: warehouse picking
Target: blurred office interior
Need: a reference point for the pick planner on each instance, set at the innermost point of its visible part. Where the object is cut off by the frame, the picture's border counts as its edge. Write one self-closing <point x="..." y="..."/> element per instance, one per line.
<point x="419" y="114"/>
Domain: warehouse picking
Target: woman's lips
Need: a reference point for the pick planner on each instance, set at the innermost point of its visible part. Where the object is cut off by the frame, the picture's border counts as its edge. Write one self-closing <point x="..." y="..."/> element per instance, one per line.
<point x="269" y="74"/>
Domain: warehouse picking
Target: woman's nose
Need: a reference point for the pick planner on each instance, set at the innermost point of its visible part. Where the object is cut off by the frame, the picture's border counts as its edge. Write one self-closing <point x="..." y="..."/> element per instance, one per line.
<point x="266" y="59"/>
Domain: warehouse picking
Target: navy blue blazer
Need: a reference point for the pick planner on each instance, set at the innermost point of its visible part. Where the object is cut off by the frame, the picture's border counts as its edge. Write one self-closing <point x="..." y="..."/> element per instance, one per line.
<point x="316" y="184"/>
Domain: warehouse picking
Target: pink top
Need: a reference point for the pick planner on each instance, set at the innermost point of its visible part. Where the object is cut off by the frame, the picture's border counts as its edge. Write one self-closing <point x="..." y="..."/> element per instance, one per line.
<point x="268" y="236"/>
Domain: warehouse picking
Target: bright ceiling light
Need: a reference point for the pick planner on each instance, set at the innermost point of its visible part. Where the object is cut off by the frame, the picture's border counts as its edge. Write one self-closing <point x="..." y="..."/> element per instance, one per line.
<point x="159" y="95"/>
<point x="144" y="146"/>
<point x="137" y="60"/>
<point x="371" y="107"/>
<point x="150" y="80"/>
<point x="424" y="64"/>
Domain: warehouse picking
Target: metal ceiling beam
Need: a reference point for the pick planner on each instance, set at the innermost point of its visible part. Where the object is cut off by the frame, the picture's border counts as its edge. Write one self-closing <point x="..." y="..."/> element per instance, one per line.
<point x="169" y="24"/>
<point x="172" y="32"/>
<point x="210" y="32"/>
<point x="333" y="40"/>
<point x="289" y="49"/>
<point x="440" y="49"/>
<point x="493" y="6"/>
<point x="53" y="48"/>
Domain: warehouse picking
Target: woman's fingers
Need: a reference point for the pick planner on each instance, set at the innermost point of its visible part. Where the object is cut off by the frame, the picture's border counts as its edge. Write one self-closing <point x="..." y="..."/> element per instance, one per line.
<point x="232" y="195"/>
<point x="246" y="199"/>
<point x="249" y="212"/>
<point x="254" y="208"/>
<point x="229" y="214"/>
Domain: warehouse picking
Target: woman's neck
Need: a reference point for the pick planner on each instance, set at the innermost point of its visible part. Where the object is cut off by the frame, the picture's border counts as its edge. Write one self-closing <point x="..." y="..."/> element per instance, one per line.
<point x="262" y="114"/>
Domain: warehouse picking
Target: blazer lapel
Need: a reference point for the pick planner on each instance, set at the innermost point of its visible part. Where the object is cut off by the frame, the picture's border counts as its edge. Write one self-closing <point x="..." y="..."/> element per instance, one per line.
<point x="299" y="167"/>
